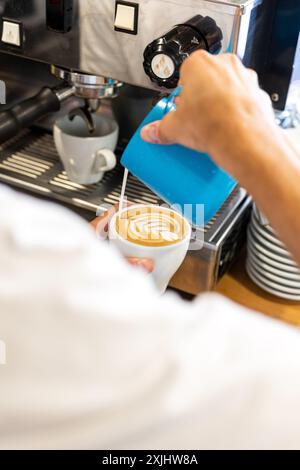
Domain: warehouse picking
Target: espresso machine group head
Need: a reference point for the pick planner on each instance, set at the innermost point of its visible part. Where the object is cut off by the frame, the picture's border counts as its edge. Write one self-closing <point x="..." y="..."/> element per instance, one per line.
<point x="90" y="88"/>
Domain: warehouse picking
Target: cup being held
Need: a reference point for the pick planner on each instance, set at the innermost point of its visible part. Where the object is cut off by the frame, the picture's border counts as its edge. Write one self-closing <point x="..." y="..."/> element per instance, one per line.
<point x="152" y="232"/>
<point x="86" y="157"/>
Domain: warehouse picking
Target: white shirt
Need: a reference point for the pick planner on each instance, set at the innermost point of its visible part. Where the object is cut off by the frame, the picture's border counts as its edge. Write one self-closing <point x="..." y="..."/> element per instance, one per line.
<point x="96" y="359"/>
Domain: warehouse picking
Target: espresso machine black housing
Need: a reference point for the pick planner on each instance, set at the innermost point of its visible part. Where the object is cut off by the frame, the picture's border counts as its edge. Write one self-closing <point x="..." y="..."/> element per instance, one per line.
<point x="71" y="54"/>
<point x="275" y="53"/>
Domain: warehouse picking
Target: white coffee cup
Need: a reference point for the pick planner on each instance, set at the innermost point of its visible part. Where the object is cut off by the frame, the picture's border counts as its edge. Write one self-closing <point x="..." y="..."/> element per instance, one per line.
<point x="86" y="157"/>
<point x="167" y="259"/>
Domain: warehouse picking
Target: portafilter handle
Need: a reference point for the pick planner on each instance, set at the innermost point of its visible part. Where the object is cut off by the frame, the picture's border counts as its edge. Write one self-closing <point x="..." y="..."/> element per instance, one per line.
<point x="26" y="113"/>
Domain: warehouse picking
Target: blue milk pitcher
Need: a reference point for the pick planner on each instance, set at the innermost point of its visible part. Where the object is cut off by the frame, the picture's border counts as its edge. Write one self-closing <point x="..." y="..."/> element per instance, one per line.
<point x="181" y="177"/>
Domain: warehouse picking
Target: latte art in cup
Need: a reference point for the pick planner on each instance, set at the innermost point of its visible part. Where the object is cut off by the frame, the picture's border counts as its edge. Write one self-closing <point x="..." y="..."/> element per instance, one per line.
<point x="152" y="232"/>
<point x="151" y="226"/>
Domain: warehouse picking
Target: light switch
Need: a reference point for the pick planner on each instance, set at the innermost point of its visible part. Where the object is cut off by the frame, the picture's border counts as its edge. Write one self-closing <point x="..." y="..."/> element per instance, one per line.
<point x="126" y="19"/>
<point x="11" y="33"/>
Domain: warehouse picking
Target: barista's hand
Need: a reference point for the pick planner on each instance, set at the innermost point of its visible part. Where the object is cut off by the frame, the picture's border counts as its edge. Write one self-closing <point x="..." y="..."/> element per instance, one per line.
<point x="223" y="112"/>
<point x="220" y="104"/>
<point x="100" y="225"/>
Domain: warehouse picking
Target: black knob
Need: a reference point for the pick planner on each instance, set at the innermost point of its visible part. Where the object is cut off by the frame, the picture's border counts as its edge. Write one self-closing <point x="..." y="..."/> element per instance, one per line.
<point x="164" y="56"/>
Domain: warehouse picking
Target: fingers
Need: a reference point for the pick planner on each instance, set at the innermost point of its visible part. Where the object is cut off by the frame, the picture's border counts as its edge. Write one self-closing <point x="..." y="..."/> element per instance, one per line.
<point x="198" y="58"/>
<point x="147" y="264"/>
<point x="101" y="224"/>
<point x="198" y="88"/>
<point x="163" y="132"/>
<point x="169" y="130"/>
<point x="267" y="105"/>
<point x="253" y="76"/>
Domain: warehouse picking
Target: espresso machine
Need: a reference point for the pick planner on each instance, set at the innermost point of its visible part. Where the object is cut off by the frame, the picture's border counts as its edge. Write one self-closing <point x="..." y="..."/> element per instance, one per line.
<point x="79" y="57"/>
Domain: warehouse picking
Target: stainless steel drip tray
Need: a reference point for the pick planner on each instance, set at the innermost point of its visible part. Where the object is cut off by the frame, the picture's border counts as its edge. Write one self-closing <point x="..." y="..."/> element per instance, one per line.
<point x="30" y="162"/>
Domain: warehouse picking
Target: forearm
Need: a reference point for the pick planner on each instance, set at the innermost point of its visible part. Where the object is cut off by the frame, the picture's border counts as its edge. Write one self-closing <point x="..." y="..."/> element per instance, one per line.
<point x="233" y="121"/>
<point x="268" y="166"/>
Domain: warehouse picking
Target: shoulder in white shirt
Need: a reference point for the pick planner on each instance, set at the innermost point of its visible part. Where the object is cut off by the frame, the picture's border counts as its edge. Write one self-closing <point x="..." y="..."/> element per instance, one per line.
<point x="95" y="358"/>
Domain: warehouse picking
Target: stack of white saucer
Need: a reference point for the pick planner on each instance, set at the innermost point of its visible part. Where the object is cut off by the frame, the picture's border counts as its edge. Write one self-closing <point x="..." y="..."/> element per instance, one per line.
<point x="269" y="264"/>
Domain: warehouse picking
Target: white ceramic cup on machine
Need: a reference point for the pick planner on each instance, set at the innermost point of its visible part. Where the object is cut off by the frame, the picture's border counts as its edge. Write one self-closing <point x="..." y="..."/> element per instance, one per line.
<point x="131" y="232"/>
<point x="86" y="157"/>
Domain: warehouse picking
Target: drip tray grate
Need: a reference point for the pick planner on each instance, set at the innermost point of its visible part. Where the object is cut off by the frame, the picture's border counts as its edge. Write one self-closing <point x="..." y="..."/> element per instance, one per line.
<point x="30" y="161"/>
